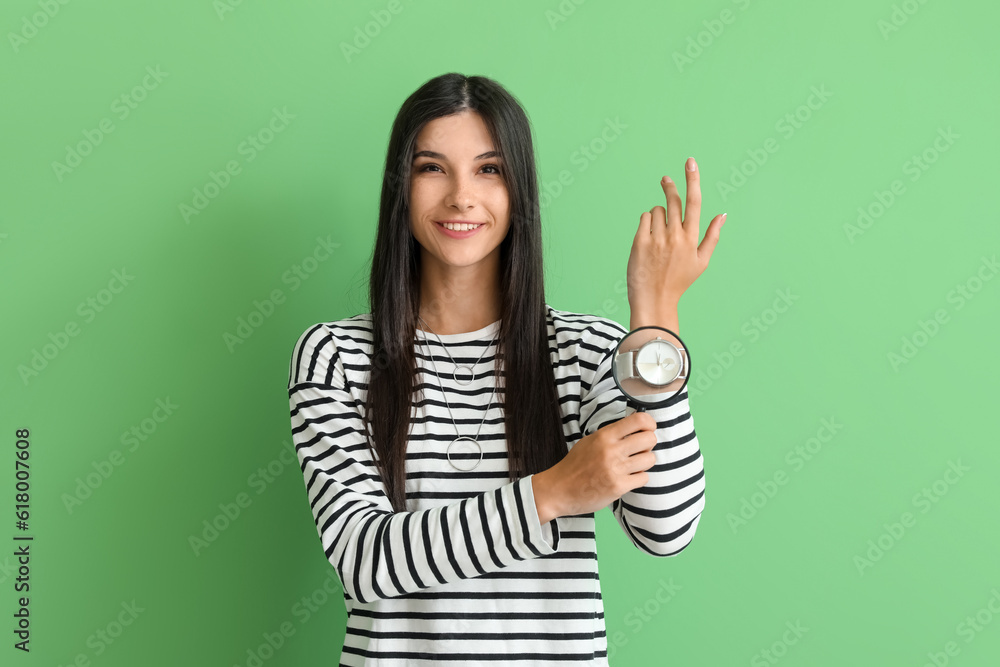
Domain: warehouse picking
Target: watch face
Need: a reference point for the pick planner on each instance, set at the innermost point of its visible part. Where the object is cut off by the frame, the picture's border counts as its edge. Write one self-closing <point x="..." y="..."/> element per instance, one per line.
<point x="658" y="362"/>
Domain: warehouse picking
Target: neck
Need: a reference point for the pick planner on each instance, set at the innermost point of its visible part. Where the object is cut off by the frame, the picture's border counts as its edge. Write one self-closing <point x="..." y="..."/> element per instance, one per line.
<point x="459" y="299"/>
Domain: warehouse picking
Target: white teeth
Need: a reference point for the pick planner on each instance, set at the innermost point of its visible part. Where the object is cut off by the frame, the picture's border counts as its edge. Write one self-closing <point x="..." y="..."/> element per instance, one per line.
<point x="459" y="228"/>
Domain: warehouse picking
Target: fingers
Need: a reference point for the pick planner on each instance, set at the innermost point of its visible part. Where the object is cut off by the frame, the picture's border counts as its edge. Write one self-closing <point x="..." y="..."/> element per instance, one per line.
<point x="635" y="423"/>
<point x="638" y="463"/>
<point x="673" y="204"/>
<point x="707" y="246"/>
<point x="636" y="443"/>
<point x="657" y="222"/>
<point x="660" y="219"/>
<point x="692" y="209"/>
<point x="645" y="461"/>
<point x="645" y="226"/>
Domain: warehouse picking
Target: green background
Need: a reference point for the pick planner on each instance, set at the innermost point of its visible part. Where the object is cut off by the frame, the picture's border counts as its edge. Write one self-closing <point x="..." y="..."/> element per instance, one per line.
<point x="856" y="298"/>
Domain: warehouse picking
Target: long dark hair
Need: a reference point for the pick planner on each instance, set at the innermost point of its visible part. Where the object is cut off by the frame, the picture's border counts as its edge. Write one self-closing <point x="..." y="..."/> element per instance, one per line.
<point x="532" y="416"/>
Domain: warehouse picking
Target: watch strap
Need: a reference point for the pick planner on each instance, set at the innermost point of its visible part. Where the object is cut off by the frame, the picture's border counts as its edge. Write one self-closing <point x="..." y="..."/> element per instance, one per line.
<point x="625" y="365"/>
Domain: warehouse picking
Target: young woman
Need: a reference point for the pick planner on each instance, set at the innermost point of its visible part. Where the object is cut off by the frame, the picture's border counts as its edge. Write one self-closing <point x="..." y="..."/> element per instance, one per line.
<point x="457" y="440"/>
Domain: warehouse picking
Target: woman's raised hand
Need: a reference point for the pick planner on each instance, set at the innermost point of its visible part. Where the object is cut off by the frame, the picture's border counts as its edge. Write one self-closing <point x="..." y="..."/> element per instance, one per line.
<point x="666" y="256"/>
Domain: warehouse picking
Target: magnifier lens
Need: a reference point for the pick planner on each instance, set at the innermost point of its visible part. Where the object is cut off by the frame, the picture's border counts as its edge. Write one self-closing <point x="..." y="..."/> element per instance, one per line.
<point x="651" y="365"/>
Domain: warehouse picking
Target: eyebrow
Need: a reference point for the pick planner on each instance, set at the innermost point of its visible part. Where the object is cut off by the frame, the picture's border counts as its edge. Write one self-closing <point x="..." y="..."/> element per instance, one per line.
<point x="439" y="156"/>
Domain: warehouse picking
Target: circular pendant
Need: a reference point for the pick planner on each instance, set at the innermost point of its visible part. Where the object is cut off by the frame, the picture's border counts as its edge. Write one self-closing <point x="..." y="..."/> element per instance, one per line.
<point x="464" y="368"/>
<point x="476" y="442"/>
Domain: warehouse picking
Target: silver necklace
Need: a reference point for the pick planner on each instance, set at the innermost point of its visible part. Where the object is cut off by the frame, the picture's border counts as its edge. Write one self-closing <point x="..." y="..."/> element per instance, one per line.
<point x="444" y="394"/>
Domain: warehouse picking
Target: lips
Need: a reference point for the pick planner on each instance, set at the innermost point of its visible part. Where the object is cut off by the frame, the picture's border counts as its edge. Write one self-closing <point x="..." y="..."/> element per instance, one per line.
<point x="458" y="222"/>
<point x="457" y="234"/>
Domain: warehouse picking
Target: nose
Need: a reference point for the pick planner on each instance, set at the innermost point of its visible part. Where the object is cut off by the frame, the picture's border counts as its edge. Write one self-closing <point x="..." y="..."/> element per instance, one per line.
<point x="460" y="193"/>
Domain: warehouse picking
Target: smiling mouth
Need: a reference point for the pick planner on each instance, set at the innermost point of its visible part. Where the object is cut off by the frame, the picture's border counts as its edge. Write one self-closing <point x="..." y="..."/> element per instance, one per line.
<point x="460" y="227"/>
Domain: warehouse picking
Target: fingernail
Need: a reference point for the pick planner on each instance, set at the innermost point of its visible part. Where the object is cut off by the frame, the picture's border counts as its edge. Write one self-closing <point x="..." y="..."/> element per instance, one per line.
<point x="666" y="179"/>
<point x="691" y="165"/>
<point x="723" y="219"/>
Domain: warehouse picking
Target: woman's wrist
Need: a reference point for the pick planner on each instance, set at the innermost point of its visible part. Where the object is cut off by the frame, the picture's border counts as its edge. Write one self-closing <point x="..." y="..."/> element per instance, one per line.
<point x="665" y="316"/>
<point x="545" y="497"/>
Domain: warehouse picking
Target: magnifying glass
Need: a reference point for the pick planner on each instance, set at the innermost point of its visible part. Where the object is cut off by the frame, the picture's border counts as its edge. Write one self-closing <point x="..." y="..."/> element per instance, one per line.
<point x="650" y="365"/>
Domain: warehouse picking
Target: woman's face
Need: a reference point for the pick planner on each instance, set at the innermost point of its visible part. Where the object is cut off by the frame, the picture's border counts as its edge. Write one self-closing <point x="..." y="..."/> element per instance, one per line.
<point x="456" y="177"/>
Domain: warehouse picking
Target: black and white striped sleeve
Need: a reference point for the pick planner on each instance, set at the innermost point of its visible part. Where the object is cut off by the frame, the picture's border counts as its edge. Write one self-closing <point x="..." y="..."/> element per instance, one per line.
<point x="379" y="553"/>
<point x="661" y="517"/>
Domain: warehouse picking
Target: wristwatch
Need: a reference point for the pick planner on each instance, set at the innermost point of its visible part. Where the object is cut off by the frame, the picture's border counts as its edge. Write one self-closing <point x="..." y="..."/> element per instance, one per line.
<point x="657" y="362"/>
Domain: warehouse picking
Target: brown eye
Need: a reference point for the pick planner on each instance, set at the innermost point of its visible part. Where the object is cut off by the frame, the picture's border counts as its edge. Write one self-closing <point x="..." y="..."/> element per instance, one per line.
<point x="427" y="167"/>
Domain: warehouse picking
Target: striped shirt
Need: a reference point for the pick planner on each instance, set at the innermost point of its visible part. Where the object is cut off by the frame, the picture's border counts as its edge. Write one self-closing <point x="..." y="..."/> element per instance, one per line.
<point x="468" y="575"/>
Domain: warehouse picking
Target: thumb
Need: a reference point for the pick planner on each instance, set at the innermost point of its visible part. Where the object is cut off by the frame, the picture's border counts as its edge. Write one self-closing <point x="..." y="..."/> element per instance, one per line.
<point x="707" y="245"/>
